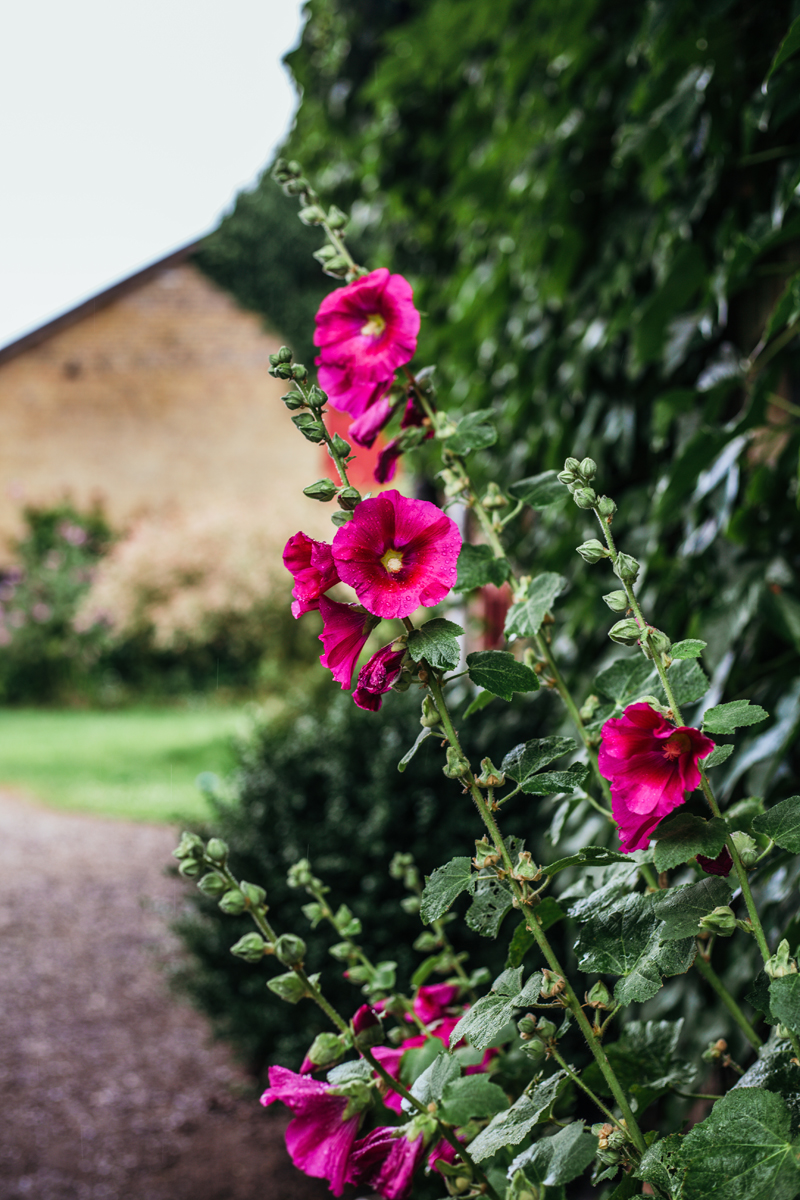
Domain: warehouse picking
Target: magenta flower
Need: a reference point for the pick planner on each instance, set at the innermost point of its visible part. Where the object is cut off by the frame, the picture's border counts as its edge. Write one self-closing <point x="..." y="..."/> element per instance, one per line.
<point x="318" y="1138"/>
<point x="721" y="865"/>
<point x="313" y="568"/>
<point x="413" y="418"/>
<point x="389" y="1057"/>
<point x="650" y="765"/>
<point x="366" y="428"/>
<point x="386" y="1161"/>
<point x="378" y="676"/>
<point x="397" y="554"/>
<point x="350" y="392"/>
<point x="345" y="629"/>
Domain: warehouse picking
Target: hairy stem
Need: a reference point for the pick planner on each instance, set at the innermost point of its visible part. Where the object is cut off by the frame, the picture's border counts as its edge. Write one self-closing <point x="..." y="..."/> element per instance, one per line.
<point x="577" y="1080"/>
<point x="709" y="974"/>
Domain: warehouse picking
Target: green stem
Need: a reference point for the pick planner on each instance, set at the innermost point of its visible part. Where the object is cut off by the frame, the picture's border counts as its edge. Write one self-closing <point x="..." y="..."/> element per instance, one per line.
<point x="786" y="405"/>
<point x="649" y="875"/>
<point x="577" y="1079"/>
<point x="709" y="974"/>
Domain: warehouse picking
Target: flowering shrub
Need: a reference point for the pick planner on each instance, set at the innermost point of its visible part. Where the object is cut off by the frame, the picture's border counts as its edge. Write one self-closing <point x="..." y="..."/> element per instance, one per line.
<point x="522" y="1088"/>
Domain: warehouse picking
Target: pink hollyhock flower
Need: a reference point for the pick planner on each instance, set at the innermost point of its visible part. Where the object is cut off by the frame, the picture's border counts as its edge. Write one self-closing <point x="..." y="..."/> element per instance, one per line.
<point x="413" y="418"/>
<point x="350" y="392"/>
<point x="389" y="1057"/>
<point x="366" y="330"/>
<point x="378" y="676"/>
<point x="397" y="554"/>
<point x="444" y="1151"/>
<point x="366" y="428"/>
<point x="721" y="865"/>
<point x="313" y="568"/>
<point x="318" y="1137"/>
<point x="345" y="629"/>
<point x="386" y="1161"/>
<point x="650" y="765"/>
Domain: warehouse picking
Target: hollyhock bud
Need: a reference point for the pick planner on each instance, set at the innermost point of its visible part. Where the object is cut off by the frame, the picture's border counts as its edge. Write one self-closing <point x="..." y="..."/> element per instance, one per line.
<point x="377" y="676"/>
<point x="251" y="947"/>
<point x="217" y="850"/>
<point x="592" y="551"/>
<point x="747" y="847"/>
<point x="625" y="633"/>
<point x="213" y="885"/>
<point x="650" y="765"/>
<point x="585" y="497"/>
<point x="190" y="846"/>
<point x="368" y="1028"/>
<point x="781" y="963"/>
<point x="721" y="920"/>
<point x="290" y="950"/>
<point x="626" y="568"/>
<point x="325" y="1050"/>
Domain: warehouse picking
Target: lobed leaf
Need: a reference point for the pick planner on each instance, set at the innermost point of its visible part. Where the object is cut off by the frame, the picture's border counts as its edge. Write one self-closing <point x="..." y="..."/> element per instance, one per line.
<point x="510" y="1127"/>
<point x="682" y="835"/>
<point x="691" y="648"/>
<point x="725" y="718"/>
<point x="483" y="1022"/>
<point x="590" y="856"/>
<point x="549" y="783"/>
<point x="475" y="431"/>
<point x="626" y="680"/>
<point x="471" y="1096"/>
<point x="681" y="908"/>
<point x="720" y="755"/>
<point x="431" y="1084"/>
<point x="443" y="886"/>
<point x="784" y="1001"/>
<point x="435" y="641"/>
<point x="782" y="824"/>
<point x="499" y="672"/>
<point x="539" y="491"/>
<point x="529" y="757"/>
<point x="558" y="1159"/>
<point x="492" y="901"/>
<point x="477" y="566"/>
<point x="687" y="680"/>
<point x="525" y="617"/>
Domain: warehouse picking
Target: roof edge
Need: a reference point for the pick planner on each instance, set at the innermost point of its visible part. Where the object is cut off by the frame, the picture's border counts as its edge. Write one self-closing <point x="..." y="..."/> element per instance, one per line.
<point x="88" y="307"/>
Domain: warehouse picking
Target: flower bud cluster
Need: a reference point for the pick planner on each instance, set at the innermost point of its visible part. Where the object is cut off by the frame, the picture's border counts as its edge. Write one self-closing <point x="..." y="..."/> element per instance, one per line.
<point x="289" y="174"/>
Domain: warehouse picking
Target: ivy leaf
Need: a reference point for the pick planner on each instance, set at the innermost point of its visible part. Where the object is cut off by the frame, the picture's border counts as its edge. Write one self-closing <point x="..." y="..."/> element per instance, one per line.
<point x="510" y="1127"/>
<point x="720" y="755"/>
<point x="742" y="1149"/>
<point x="528" y="757"/>
<point x="784" y="1001"/>
<point x="524" y="619"/>
<point x="681" y="908"/>
<point x="499" y="672"/>
<point x="430" y="1085"/>
<point x="409" y="754"/>
<point x="474" y="432"/>
<point x="442" y="888"/>
<point x="480" y="701"/>
<point x="551" y="782"/>
<point x="683" y="835"/>
<point x="559" y="1159"/>
<point x="471" y="1096"/>
<point x="626" y="680"/>
<point x="688" y="682"/>
<point x="590" y="856"/>
<point x="725" y="718"/>
<point x="782" y="824"/>
<point x="492" y="901"/>
<point x="478" y="566"/>
<point x="435" y="641"/>
<point x="539" y="491"/>
<point x="691" y="648"/>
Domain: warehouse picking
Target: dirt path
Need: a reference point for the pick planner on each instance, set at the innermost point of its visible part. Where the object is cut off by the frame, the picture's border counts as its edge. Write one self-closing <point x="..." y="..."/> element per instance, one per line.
<point x="109" y="1089"/>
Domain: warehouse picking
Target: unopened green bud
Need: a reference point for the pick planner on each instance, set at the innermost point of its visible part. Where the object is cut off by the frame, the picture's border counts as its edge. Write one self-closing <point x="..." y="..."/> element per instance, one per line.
<point x="190" y="846"/>
<point x="490" y="776"/>
<point x="337" y="266"/>
<point x="526" y="868"/>
<point x="430" y="714"/>
<point x="253" y="894"/>
<point x="573" y="466"/>
<point x="309" y="426"/>
<point x="300" y="874"/>
<point x="617" y="601"/>
<point x="341" y="447"/>
<point x="714" y="1050"/>
<point x="293" y="401"/>
<point x="457" y="765"/>
<point x="233" y="903"/>
<point x="534" y="1050"/>
<point x="626" y="568"/>
<point x="565" y="477"/>
<point x="545" y="1030"/>
<point x="781" y="963"/>
<point x="217" y="850"/>
<point x="336" y="219"/>
<point x="213" y="885"/>
<point x="527" y="1025"/>
<point x="747" y="847"/>
<point x="400" y="864"/>
<point x="326" y="1049"/>
<point x="521" y="1188"/>
<point x="313" y="215"/>
<point x="592" y="551"/>
<point x="598" y="996"/>
<point x="290" y="950"/>
<point x="324" y="254"/>
<point x="289" y="987"/>
<point x="585" y="497"/>
<point x="553" y="984"/>
<point x="625" y="633"/>
<point x="296" y="187"/>
<point x="657" y="641"/>
<point x="589" y="708"/>
<point x="485" y="854"/>
<point x="315" y="397"/>
<point x="281" y="371"/>
<point x="588" y="468"/>
<point x="721" y="920"/>
<point x="349" y="498"/>
<point x="299" y="372"/>
<point x="606" y="506"/>
<point x="494" y="498"/>
<point x="284" y="355"/>
<point x="323" y="489"/>
<point x="251" y="947"/>
<point x="190" y="868"/>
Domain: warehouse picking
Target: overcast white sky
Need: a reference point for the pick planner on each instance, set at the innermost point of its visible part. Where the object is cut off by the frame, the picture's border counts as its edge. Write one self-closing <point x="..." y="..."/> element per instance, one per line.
<point x="125" y="131"/>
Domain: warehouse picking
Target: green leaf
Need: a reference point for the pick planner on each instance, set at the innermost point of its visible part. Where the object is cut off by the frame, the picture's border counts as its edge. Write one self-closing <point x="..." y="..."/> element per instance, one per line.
<point x="499" y="672"/>
<point x="645" y="1060"/>
<point x="435" y="641"/>
<point x="683" y="835"/>
<point x="417" y="1060"/>
<point x="480" y="701"/>
<point x="742" y="1150"/>
<point x="720" y="755"/>
<point x="409" y="754"/>
<point x="657" y="961"/>
<point x="491" y="903"/>
<point x="691" y="648"/>
<point x="487" y="1016"/>
<point x="431" y="1084"/>
<point x="626" y="680"/>
<point x="475" y="431"/>
<point x="510" y="1127"/>
<point x="478" y="566"/>
<point x="773" y="1070"/>
<point x="725" y="718"/>
<point x="346" y="1072"/>
<point x="548" y="913"/>
<point x="539" y="491"/>
<point x="425" y="969"/>
<point x="758" y="997"/>
<point x="442" y="888"/>
<point x="471" y="1096"/>
<point x="528" y="757"/>
<point x="688" y="682"/>
<point x="551" y="782"/>
<point x="524" y="619"/>
<point x="557" y="1159"/>
<point x="782" y="824"/>
<point x="784" y="1001"/>
<point x="661" y="1163"/>
<point x="789" y="46"/>
<point x="681" y="908"/>
<point x="590" y="856"/>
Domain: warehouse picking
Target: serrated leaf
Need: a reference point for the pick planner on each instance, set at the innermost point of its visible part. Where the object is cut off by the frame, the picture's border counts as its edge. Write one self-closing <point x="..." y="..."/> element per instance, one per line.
<point x="725" y="718"/>
<point x="357" y="1068"/>
<point x="442" y="888"/>
<point x="784" y="1001"/>
<point x="690" y="648"/>
<point x="475" y="431"/>
<point x="742" y="1149"/>
<point x="492" y="900"/>
<point x="681" y="908"/>
<point x="657" y="962"/>
<point x="539" y="491"/>
<point x="430" y="1085"/>
<point x="477" y="566"/>
<point x="435" y="641"/>
<point x="499" y="672"/>
<point x="471" y="1096"/>
<point x="549" y="783"/>
<point x="720" y="755"/>
<point x="590" y="856"/>
<point x="417" y="1060"/>
<point x="645" y="1060"/>
<point x="480" y="701"/>
<point x="782" y="824"/>
<point x="409" y="754"/>
<point x="510" y="1127"/>
<point x="773" y="1070"/>
<point x="525" y="617"/>
<point x="682" y="836"/>
<point x="558" y="1159"/>
<point x="626" y="680"/>
<point x="484" y="1020"/>
<point x="688" y="682"/>
<point x="661" y="1162"/>
<point x="529" y="757"/>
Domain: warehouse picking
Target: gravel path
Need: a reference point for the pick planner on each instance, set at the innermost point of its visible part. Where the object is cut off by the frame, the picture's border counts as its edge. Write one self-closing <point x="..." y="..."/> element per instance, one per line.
<point x="109" y="1089"/>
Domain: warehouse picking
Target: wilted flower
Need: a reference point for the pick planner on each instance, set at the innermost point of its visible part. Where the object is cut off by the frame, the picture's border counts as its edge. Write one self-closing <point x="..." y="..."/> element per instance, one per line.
<point x="345" y="630"/>
<point x="314" y="571"/>
<point x="397" y="554"/>
<point x="721" y="865"/>
<point x="378" y="676"/>
<point x="650" y="765"/>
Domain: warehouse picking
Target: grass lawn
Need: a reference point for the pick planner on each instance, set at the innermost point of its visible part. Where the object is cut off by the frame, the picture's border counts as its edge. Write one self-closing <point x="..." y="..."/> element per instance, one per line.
<point x="137" y="763"/>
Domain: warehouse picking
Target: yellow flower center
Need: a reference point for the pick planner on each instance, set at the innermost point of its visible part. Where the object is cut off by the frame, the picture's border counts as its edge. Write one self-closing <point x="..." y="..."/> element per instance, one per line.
<point x="393" y="561"/>
<point x="677" y="745"/>
<point x="373" y="326"/>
